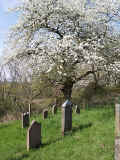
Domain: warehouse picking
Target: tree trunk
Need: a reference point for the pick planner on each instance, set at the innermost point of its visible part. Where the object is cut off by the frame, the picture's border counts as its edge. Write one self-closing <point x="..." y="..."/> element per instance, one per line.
<point x="67" y="89"/>
<point x="84" y="104"/>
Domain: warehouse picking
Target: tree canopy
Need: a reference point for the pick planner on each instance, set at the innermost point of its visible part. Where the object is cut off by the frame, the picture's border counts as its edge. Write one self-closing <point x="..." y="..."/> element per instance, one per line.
<point x="72" y="38"/>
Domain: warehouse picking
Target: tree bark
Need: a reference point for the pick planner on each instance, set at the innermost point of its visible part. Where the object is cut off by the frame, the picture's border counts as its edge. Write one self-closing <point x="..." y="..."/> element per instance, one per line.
<point x="67" y="89"/>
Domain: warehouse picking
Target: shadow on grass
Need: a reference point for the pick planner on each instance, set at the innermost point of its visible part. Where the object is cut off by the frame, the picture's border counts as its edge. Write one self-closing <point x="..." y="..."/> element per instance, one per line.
<point x="75" y="129"/>
<point x="52" y="141"/>
<point x="81" y="127"/>
<point x="4" y="126"/>
<point x="20" y="157"/>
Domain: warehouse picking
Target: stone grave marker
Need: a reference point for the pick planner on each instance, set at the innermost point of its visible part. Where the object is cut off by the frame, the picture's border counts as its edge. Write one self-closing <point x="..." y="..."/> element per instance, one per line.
<point x="66" y="116"/>
<point x="45" y="113"/>
<point x="117" y="148"/>
<point x="25" y="120"/>
<point x="117" y="120"/>
<point x="77" y="109"/>
<point x="117" y="132"/>
<point x="29" y="110"/>
<point x="34" y="135"/>
<point x="54" y="109"/>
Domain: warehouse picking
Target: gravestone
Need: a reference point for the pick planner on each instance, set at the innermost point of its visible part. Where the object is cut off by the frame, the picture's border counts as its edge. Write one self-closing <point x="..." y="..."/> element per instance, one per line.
<point x="54" y="109"/>
<point x="29" y="110"/>
<point x="45" y="113"/>
<point x="117" y="148"/>
<point x="25" y="120"/>
<point x="117" y="120"/>
<point x="66" y="116"/>
<point x="77" y="109"/>
<point x="34" y="135"/>
<point x="117" y="132"/>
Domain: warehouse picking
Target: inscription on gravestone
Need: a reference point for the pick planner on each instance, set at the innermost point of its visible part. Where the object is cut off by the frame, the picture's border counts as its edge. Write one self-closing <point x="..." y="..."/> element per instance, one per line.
<point x="25" y="120"/>
<point x="34" y="135"/>
<point x="66" y="116"/>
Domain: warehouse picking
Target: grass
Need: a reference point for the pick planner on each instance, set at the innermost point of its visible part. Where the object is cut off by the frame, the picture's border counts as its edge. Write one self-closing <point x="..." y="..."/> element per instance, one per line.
<point x="92" y="138"/>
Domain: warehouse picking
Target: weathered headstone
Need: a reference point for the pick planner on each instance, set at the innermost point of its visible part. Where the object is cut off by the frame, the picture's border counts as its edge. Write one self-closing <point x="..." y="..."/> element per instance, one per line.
<point x="66" y="116"/>
<point x="54" y="109"/>
<point x="45" y="113"/>
<point x="25" y="120"/>
<point x="29" y="110"/>
<point x="77" y="109"/>
<point x="117" y="132"/>
<point x="34" y="135"/>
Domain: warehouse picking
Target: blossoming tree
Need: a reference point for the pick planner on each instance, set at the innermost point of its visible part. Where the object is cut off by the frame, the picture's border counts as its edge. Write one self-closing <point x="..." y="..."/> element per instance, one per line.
<point x="72" y="38"/>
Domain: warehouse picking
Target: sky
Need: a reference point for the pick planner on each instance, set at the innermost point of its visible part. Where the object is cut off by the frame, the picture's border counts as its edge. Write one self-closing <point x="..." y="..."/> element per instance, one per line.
<point x="7" y="19"/>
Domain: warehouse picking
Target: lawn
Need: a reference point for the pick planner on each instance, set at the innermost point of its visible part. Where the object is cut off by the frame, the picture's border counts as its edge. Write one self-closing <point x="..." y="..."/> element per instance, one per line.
<point x="92" y="138"/>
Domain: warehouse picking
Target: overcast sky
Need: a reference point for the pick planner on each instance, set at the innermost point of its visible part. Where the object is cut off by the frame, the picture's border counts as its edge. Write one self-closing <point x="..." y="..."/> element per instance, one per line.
<point x="6" y="20"/>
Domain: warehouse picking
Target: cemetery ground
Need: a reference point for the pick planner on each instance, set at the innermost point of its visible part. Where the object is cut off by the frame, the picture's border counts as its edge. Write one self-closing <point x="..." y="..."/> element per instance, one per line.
<point x="91" y="138"/>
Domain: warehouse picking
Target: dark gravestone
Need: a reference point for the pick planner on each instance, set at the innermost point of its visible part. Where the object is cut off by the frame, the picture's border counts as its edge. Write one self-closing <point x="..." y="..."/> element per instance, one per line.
<point x="45" y="113"/>
<point x="66" y="116"/>
<point x="54" y="109"/>
<point x="25" y="120"/>
<point x="34" y="135"/>
<point x="77" y="109"/>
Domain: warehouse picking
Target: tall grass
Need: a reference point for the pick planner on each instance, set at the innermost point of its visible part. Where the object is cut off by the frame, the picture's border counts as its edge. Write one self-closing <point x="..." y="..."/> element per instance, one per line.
<point x="92" y="138"/>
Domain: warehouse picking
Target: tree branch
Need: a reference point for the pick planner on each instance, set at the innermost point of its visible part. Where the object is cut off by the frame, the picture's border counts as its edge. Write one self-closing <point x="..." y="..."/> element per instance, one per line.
<point x="84" y="75"/>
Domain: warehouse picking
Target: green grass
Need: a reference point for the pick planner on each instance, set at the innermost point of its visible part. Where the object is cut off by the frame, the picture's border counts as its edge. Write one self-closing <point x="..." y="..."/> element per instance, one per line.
<point x="92" y="138"/>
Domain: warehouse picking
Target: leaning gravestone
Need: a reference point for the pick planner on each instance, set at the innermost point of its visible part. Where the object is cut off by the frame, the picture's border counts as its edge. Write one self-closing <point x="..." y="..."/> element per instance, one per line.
<point x="45" y="113"/>
<point x="77" y="109"/>
<point x="66" y="116"/>
<point x="117" y="132"/>
<point x="54" y="109"/>
<point x="25" y="120"/>
<point x="34" y="135"/>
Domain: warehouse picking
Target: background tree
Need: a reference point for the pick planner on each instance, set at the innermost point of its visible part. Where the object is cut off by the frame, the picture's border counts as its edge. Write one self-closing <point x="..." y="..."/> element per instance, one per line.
<point x="67" y="37"/>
